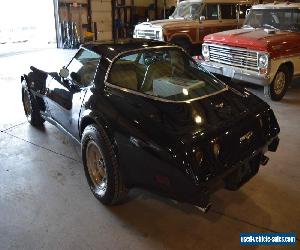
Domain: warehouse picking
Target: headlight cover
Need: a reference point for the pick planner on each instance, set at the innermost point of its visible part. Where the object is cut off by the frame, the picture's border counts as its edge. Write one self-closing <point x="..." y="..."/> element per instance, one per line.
<point x="157" y="35"/>
<point x="205" y="51"/>
<point x="263" y="60"/>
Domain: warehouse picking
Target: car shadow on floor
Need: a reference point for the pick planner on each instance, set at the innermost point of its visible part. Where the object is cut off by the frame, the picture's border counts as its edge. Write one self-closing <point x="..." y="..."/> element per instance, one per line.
<point x="181" y="225"/>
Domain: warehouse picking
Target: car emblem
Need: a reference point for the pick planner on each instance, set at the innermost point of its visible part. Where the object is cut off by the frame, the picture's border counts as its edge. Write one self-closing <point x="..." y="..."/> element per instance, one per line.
<point x="220" y="105"/>
<point x="246" y="136"/>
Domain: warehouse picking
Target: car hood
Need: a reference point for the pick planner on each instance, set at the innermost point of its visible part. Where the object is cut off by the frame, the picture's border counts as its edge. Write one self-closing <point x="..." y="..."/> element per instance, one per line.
<point x="255" y="39"/>
<point x="169" y="23"/>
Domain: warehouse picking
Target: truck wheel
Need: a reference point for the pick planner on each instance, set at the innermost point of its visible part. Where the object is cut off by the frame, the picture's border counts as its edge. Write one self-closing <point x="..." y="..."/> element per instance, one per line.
<point x="277" y="89"/>
<point x="31" y="109"/>
<point x="186" y="45"/>
<point x="101" y="166"/>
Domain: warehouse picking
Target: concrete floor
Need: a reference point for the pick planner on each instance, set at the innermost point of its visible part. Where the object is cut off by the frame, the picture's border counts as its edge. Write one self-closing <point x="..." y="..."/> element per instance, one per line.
<point x="45" y="202"/>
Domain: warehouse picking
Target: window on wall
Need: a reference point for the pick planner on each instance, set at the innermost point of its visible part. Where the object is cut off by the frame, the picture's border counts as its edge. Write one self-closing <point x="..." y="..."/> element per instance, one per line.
<point x="211" y="12"/>
<point x="228" y="11"/>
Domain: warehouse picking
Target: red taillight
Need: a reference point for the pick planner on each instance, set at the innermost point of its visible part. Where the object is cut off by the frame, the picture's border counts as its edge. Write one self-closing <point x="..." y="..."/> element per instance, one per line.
<point x="216" y="147"/>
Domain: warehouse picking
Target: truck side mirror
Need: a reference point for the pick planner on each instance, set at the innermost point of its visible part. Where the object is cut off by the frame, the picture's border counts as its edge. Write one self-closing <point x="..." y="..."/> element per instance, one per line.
<point x="247" y="12"/>
<point x="202" y="18"/>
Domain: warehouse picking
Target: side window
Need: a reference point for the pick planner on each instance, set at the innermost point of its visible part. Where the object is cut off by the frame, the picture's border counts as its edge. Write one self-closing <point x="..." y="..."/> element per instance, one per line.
<point x="195" y="11"/>
<point x="123" y="72"/>
<point x="83" y="67"/>
<point x="228" y="11"/>
<point x="211" y="11"/>
<point x="291" y="18"/>
<point x="130" y="58"/>
<point x="242" y="12"/>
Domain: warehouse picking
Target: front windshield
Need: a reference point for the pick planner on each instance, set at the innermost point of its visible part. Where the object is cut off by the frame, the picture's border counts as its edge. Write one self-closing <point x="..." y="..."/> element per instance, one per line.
<point x="282" y="19"/>
<point x="187" y="11"/>
<point x="167" y="73"/>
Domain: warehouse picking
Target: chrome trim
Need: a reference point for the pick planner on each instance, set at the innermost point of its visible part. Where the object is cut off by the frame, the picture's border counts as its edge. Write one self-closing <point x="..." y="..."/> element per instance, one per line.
<point x="107" y="84"/>
<point x="234" y="56"/>
<point x="148" y="31"/>
<point x="135" y="50"/>
<point x="279" y="5"/>
<point x="230" y="47"/>
<point x="162" y="99"/>
<point x="239" y="73"/>
<point x="49" y="119"/>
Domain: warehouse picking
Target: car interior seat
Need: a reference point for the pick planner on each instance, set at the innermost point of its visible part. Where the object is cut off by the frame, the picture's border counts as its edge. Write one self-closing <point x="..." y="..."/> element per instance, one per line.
<point x="123" y="76"/>
<point x="155" y="71"/>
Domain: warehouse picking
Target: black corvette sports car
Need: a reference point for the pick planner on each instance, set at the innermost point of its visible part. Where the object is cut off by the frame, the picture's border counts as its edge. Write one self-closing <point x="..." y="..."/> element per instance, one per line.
<point x="146" y="114"/>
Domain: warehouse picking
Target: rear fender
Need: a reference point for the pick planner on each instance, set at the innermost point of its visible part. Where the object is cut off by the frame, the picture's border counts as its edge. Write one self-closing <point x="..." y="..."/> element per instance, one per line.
<point x="89" y="117"/>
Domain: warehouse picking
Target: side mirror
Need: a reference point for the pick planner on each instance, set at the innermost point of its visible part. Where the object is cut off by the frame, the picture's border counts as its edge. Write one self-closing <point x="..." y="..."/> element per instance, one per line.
<point x="247" y="12"/>
<point x="64" y="73"/>
<point x="202" y="18"/>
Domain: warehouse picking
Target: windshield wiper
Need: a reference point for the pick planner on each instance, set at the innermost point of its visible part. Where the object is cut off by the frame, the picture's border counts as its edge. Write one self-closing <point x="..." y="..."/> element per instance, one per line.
<point x="270" y="26"/>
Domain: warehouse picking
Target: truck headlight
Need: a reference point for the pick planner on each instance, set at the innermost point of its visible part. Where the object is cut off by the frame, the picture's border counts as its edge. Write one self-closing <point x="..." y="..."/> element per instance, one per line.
<point x="263" y="63"/>
<point x="157" y="35"/>
<point x="205" y="52"/>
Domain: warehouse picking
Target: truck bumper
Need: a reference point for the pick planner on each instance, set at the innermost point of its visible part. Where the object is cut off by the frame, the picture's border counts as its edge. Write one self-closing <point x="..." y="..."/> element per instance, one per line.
<point x="237" y="73"/>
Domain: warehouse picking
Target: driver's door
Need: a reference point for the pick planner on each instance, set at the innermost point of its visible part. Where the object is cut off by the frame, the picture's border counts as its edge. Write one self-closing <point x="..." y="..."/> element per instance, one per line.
<point x="65" y="95"/>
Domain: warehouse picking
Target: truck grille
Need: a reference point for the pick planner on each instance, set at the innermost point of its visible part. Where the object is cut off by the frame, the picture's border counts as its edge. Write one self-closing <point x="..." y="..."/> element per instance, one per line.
<point x="240" y="58"/>
<point x="146" y="34"/>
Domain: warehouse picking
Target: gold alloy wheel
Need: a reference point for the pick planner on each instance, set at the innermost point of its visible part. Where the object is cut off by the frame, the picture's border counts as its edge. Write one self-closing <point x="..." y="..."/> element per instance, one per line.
<point x="96" y="167"/>
<point x="26" y="102"/>
<point x="279" y="83"/>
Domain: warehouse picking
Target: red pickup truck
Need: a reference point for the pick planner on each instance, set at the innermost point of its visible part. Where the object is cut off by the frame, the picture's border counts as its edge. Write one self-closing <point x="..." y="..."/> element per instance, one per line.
<point x="265" y="51"/>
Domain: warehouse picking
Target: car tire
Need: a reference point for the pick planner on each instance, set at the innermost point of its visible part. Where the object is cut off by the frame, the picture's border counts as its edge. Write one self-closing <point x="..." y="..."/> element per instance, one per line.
<point x="277" y="89"/>
<point x="101" y="166"/>
<point x="186" y="45"/>
<point x="31" y="109"/>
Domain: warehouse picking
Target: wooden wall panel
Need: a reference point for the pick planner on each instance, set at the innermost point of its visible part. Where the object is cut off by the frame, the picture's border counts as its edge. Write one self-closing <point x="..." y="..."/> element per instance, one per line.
<point x="102" y="15"/>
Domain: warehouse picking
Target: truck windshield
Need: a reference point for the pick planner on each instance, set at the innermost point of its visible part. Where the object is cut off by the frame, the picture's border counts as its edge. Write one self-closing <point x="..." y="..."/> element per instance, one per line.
<point x="184" y="10"/>
<point x="281" y="19"/>
<point x="166" y="73"/>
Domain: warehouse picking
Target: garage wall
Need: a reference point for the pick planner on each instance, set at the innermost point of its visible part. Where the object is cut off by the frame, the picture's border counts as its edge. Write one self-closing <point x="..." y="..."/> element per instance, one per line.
<point x="160" y="3"/>
<point x="102" y="15"/>
<point x="76" y="14"/>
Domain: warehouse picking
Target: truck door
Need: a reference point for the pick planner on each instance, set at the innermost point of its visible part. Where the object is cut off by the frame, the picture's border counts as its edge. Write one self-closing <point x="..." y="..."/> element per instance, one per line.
<point x="211" y="23"/>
